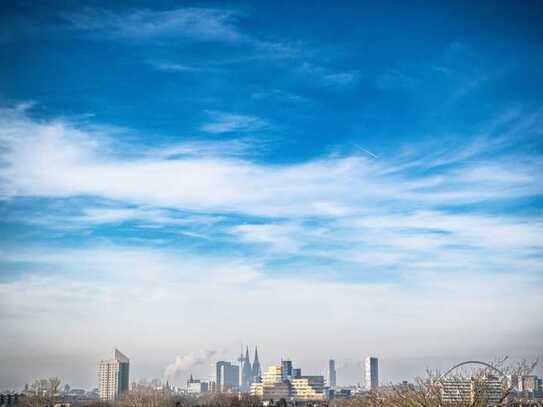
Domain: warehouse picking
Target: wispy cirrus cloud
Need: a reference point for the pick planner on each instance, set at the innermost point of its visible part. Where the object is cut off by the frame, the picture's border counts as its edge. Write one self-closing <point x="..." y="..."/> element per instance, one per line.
<point x="236" y="147"/>
<point x="328" y="77"/>
<point x="224" y="122"/>
<point x="170" y="67"/>
<point x="278" y="94"/>
<point x="396" y="79"/>
<point x="278" y="238"/>
<point x="204" y="24"/>
<point x="219" y="25"/>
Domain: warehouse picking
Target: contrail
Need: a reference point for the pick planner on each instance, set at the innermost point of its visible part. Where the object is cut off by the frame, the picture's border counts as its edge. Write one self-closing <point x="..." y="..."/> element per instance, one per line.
<point x="367" y="152"/>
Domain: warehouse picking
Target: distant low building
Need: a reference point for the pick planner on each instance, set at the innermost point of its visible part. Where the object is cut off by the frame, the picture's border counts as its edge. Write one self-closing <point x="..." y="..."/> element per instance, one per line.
<point x="339" y="393"/>
<point x="195" y="386"/>
<point x="9" y="399"/>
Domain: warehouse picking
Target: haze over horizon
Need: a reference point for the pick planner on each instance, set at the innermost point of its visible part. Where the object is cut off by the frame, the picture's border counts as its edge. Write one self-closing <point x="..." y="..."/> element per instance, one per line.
<point x="322" y="181"/>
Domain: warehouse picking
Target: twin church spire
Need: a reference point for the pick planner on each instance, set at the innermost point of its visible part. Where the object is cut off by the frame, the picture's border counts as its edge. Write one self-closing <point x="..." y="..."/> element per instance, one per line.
<point x="249" y="373"/>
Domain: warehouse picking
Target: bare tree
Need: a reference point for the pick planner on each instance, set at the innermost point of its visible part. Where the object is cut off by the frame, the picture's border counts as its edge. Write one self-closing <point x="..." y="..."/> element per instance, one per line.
<point x="147" y="398"/>
<point x="43" y="393"/>
<point x="475" y="388"/>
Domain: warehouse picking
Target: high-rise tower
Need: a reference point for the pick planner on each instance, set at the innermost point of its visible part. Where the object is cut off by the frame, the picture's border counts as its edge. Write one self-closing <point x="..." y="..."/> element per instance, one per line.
<point x="332" y="373"/>
<point x="287" y="369"/>
<point x="226" y="376"/>
<point x="113" y="376"/>
<point x="371" y="373"/>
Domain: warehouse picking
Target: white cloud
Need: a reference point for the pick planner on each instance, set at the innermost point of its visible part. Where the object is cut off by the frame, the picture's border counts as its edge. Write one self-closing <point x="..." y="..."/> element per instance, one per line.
<point x="58" y="159"/>
<point x="278" y="237"/>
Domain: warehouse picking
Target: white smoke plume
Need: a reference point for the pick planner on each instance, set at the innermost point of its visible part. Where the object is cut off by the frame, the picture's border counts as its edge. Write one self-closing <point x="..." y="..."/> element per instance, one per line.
<point x="183" y="363"/>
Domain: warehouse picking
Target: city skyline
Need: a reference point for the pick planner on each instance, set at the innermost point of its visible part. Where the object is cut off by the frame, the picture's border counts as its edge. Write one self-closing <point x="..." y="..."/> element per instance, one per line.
<point x="223" y="375"/>
<point x="283" y="383"/>
<point x="328" y="181"/>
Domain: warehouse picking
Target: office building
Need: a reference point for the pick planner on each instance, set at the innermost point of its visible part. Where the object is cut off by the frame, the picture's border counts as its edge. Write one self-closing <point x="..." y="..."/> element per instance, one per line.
<point x="287" y="369"/>
<point x="226" y="377"/>
<point x="218" y="374"/>
<point x="113" y="376"/>
<point x="272" y="386"/>
<point x="488" y="390"/>
<point x="371" y="373"/>
<point x="332" y="373"/>
<point x="296" y="372"/>
<point x="307" y="388"/>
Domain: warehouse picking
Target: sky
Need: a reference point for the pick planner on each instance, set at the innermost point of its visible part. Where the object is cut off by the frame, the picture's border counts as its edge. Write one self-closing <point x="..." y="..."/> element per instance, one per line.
<point x="321" y="180"/>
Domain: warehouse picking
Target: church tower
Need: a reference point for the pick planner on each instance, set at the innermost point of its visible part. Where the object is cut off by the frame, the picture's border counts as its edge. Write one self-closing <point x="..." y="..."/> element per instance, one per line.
<point x="246" y="373"/>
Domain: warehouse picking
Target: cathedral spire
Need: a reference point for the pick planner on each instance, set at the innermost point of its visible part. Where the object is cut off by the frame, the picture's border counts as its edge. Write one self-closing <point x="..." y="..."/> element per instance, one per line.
<point x="246" y="371"/>
<point x="256" y="367"/>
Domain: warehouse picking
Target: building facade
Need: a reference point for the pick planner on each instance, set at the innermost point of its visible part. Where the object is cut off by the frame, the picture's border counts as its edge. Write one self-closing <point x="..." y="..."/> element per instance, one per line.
<point x="113" y="376"/>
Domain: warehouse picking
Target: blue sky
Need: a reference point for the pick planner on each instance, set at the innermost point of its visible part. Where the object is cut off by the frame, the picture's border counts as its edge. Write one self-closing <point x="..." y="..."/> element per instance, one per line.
<point x="269" y="173"/>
